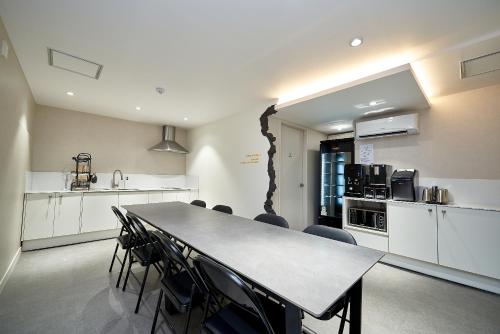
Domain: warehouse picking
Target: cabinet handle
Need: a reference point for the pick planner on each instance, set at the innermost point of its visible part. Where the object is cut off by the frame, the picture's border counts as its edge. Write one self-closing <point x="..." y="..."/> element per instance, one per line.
<point x="443" y="212"/>
<point x="430" y="211"/>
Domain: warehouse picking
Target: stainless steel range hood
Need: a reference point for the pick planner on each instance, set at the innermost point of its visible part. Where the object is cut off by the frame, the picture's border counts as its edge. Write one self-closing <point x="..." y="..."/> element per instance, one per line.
<point x="168" y="143"/>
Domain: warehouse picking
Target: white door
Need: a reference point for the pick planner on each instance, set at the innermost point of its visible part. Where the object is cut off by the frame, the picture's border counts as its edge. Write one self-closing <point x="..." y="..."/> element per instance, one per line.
<point x="413" y="231"/>
<point x="96" y="212"/>
<point x="469" y="240"/>
<point x="39" y="216"/>
<point x="67" y="214"/>
<point x="291" y="177"/>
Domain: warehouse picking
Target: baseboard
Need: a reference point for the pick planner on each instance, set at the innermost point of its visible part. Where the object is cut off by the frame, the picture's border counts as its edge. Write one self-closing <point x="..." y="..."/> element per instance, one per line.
<point x="450" y="274"/>
<point x="10" y="269"/>
<point x="29" y="245"/>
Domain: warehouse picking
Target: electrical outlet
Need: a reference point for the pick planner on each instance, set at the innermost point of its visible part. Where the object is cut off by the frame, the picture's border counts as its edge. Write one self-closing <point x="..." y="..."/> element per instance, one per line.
<point x="4" y="49"/>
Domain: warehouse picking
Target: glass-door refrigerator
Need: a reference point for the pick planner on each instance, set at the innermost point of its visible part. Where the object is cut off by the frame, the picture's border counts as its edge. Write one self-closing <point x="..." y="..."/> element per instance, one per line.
<point x="335" y="154"/>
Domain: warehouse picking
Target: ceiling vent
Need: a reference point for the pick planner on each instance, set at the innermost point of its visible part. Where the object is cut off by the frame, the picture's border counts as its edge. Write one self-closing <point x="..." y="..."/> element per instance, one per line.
<point x="480" y="65"/>
<point x="67" y="62"/>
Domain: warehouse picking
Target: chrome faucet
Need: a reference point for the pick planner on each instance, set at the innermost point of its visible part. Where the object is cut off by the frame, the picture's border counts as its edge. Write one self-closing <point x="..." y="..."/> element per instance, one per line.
<point x="116" y="185"/>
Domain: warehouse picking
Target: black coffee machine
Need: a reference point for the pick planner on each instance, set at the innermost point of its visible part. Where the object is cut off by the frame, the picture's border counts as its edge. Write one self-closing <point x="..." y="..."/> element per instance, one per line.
<point x="356" y="178"/>
<point x="378" y="186"/>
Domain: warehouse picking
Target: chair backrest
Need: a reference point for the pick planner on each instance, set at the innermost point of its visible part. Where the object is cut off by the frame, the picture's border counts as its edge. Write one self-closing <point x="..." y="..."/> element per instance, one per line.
<point x="199" y="202"/>
<point x="171" y="254"/>
<point x="223" y="281"/>
<point x="139" y="230"/>
<point x="121" y="218"/>
<point x="331" y="233"/>
<point x="272" y="219"/>
<point x="223" y="208"/>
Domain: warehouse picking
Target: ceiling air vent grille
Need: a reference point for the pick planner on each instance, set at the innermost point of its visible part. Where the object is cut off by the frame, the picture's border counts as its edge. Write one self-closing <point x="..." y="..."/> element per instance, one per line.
<point x="67" y="62"/>
<point x="480" y="65"/>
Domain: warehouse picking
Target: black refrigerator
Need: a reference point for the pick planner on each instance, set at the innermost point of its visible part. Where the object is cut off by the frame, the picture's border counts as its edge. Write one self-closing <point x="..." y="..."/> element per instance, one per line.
<point x="335" y="154"/>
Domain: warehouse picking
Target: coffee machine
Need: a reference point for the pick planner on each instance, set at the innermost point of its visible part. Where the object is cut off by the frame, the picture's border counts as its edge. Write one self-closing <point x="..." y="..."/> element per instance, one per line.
<point x="379" y="181"/>
<point x="356" y="178"/>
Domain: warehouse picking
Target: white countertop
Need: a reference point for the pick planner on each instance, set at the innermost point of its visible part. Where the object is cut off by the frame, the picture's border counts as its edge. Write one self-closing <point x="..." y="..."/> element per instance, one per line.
<point x="450" y="205"/>
<point x="100" y="190"/>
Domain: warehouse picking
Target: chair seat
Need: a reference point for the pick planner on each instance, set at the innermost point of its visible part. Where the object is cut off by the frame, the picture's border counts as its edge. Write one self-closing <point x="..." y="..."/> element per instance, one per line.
<point x="177" y="288"/>
<point x="143" y="253"/>
<point x="232" y="319"/>
<point x="125" y="241"/>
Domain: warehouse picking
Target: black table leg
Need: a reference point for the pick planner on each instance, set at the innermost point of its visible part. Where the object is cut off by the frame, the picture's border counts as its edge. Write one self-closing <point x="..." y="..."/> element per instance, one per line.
<point x="293" y="318"/>
<point x="356" y="305"/>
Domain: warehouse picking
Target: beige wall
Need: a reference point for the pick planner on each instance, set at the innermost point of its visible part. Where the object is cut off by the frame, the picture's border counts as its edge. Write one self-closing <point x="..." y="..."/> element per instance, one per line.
<point x="459" y="138"/>
<point x="16" y="108"/>
<point x="60" y="134"/>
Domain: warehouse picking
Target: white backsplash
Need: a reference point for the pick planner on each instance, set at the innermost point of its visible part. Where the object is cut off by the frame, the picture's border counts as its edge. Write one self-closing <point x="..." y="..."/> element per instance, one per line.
<point x="48" y="181"/>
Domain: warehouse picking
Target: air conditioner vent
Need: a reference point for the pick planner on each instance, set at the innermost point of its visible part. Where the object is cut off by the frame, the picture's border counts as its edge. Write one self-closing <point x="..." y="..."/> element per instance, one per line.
<point x="67" y="62"/>
<point x="480" y="65"/>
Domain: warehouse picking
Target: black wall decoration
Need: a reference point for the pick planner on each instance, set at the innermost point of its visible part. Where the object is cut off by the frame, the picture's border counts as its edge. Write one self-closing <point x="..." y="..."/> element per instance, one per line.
<point x="264" y="129"/>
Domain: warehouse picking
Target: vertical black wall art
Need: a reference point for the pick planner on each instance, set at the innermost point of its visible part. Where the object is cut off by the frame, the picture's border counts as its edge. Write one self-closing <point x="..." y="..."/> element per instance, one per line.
<point x="264" y="129"/>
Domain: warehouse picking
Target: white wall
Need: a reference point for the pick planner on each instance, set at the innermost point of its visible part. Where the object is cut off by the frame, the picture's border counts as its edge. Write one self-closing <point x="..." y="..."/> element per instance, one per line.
<point x="16" y="109"/>
<point x="217" y="151"/>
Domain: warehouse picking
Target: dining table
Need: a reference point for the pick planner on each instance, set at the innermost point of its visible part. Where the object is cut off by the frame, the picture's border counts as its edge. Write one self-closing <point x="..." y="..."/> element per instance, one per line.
<point x="305" y="272"/>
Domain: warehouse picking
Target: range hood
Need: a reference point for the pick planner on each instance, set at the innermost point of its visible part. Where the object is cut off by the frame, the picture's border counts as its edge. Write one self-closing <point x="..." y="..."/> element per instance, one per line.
<point x="168" y="143"/>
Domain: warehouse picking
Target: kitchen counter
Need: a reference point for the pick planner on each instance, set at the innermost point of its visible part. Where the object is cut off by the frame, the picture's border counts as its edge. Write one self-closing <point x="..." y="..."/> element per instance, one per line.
<point x="100" y="190"/>
<point x="450" y="205"/>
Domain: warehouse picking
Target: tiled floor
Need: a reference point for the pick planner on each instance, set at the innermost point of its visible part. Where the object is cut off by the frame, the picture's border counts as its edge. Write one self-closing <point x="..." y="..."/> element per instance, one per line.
<point x="68" y="290"/>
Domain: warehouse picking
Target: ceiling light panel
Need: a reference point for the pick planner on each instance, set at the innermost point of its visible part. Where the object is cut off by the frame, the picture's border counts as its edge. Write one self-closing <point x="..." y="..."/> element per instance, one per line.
<point x="74" y="64"/>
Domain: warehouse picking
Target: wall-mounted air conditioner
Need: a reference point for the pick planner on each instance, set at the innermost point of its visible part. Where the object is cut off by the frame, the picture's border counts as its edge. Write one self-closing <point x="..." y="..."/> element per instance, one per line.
<point x="389" y="126"/>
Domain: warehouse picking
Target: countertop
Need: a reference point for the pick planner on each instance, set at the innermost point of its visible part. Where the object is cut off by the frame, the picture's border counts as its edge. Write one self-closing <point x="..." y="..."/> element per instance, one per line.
<point x="449" y="205"/>
<point x="101" y="190"/>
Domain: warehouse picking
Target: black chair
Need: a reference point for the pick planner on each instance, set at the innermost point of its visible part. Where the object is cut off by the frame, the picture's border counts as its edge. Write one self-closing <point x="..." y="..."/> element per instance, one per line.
<point x="244" y="311"/>
<point x="223" y="208"/>
<point x="343" y="236"/>
<point x="182" y="286"/>
<point x="271" y="219"/>
<point x="126" y="241"/>
<point x="199" y="203"/>
<point x="145" y="253"/>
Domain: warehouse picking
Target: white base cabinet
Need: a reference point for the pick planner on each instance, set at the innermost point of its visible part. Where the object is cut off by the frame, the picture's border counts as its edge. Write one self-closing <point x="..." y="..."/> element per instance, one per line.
<point x="413" y="230"/>
<point x="96" y="212"/>
<point x="469" y="240"/>
<point x="38" y="216"/>
<point x="67" y="214"/>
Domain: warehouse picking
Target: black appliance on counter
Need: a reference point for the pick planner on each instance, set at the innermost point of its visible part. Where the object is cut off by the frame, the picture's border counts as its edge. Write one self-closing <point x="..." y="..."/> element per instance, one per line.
<point x="356" y="178"/>
<point x="335" y="154"/>
<point x="403" y="185"/>
<point x="366" y="218"/>
<point x="379" y="180"/>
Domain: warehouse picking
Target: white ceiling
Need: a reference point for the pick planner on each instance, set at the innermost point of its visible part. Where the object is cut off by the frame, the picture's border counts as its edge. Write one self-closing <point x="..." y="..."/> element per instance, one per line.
<point x="392" y="90"/>
<point x="221" y="57"/>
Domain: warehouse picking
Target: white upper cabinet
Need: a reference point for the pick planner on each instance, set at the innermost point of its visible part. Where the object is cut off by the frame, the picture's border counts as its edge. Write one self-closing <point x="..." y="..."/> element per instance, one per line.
<point x="469" y="240"/>
<point x="96" y="211"/>
<point x="67" y="213"/>
<point x="413" y="230"/>
<point x="39" y="216"/>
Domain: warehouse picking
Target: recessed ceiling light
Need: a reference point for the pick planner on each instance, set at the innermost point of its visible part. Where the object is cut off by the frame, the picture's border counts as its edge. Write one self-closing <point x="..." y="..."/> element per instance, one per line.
<point x="138" y="108"/>
<point x="70" y="93"/>
<point x="356" y="41"/>
<point x="185" y="118"/>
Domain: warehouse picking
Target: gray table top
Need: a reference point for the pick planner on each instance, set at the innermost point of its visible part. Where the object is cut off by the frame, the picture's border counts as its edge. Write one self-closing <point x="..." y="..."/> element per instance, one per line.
<point x="306" y="270"/>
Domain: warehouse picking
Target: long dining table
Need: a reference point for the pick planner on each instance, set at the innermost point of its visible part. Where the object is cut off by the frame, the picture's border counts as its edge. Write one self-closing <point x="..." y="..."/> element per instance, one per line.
<point x="305" y="272"/>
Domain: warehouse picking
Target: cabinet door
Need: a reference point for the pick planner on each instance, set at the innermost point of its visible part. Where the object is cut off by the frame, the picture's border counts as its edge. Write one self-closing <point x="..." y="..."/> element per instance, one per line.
<point x="67" y="214"/>
<point x="129" y="198"/>
<point x="413" y="231"/>
<point x="155" y="197"/>
<point x="96" y="212"/>
<point x="469" y="240"/>
<point x="193" y="194"/>
<point x="39" y="216"/>
<point x="169" y="196"/>
<point x="183" y="196"/>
